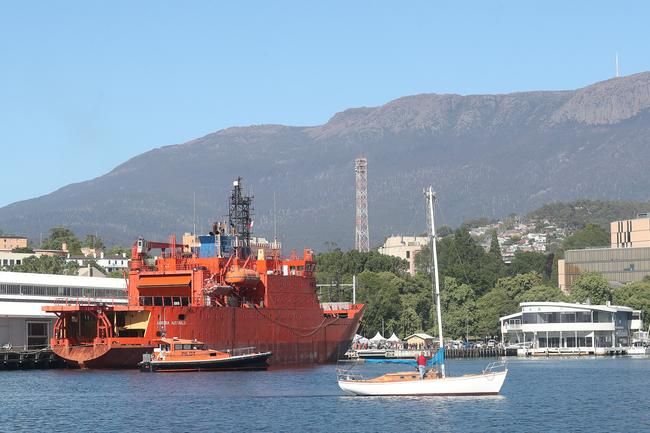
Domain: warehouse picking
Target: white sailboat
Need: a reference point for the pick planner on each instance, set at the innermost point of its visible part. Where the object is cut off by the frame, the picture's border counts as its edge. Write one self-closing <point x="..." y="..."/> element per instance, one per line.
<point x="487" y="382"/>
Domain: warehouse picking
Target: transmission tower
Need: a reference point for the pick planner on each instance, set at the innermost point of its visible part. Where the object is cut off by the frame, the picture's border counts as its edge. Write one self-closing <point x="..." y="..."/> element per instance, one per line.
<point x="362" y="238"/>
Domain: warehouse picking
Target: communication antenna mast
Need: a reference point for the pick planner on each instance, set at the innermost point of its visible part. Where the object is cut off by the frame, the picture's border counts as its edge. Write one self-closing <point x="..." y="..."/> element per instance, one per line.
<point x="240" y="216"/>
<point x="618" y="74"/>
<point x="275" y="222"/>
<point x="362" y="238"/>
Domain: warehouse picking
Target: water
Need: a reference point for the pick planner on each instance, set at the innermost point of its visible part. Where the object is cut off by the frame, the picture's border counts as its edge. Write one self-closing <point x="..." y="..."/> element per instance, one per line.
<point x="549" y="395"/>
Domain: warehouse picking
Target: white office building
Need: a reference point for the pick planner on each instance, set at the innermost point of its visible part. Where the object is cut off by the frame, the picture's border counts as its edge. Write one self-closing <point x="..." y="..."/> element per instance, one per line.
<point x="544" y="328"/>
<point x="23" y="323"/>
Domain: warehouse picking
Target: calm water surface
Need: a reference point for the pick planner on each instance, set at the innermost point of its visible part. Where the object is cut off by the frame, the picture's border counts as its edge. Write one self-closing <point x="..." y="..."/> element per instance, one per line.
<point x="540" y="395"/>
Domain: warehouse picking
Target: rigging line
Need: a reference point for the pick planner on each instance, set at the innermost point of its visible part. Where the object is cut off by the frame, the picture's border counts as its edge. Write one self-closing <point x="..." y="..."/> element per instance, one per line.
<point x="294" y="328"/>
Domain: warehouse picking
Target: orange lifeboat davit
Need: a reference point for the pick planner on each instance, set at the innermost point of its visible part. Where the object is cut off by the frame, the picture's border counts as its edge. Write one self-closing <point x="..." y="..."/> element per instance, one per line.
<point x="243" y="278"/>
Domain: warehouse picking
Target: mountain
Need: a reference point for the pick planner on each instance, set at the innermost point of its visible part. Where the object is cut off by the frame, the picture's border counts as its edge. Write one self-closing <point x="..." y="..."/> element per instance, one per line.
<point x="486" y="155"/>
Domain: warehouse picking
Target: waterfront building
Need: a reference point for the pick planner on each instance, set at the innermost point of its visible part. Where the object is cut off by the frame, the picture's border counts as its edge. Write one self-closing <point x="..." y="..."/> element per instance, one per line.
<point x="419" y="340"/>
<point x="23" y="323"/>
<point x="8" y="259"/>
<point x="627" y="260"/>
<point x="8" y="243"/>
<point x="631" y="233"/>
<point x="112" y="263"/>
<point x="562" y="327"/>
<point x="616" y="265"/>
<point x="404" y="247"/>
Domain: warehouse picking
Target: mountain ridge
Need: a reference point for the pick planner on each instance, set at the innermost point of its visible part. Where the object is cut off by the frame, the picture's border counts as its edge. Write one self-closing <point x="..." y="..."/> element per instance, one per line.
<point x="487" y="155"/>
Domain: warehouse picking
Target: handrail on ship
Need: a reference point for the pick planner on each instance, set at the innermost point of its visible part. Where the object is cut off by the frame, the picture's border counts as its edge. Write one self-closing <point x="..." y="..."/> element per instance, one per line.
<point x="85" y="301"/>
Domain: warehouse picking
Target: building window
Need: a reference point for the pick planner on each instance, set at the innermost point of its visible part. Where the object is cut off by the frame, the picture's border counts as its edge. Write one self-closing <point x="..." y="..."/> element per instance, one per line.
<point x="37" y="335"/>
<point x="408" y="254"/>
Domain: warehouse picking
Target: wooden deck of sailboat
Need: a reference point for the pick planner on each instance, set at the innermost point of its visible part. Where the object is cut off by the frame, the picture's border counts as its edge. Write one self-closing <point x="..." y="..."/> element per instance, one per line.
<point x="408" y="376"/>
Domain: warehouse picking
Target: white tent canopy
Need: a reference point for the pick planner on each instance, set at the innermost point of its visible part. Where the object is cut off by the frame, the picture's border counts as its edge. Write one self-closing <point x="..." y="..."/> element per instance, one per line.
<point x="356" y="338"/>
<point x="377" y="338"/>
<point x="363" y="340"/>
<point x="394" y="338"/>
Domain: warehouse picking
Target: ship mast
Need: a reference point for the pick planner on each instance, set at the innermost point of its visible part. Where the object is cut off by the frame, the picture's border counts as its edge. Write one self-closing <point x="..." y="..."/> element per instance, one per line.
<point x="431" y="198"/>
<point x="240" y="218"/>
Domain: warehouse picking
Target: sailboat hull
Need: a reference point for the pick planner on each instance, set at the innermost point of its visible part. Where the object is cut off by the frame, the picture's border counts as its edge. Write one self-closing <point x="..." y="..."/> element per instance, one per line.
<point x="469" y="385"/>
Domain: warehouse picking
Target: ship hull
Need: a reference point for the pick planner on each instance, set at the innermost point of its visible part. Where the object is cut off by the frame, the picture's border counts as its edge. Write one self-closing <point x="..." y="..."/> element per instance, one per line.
<point x="293" y="336"/>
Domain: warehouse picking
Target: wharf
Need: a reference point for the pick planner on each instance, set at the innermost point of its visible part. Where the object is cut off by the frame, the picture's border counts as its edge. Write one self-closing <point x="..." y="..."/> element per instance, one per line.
<point x="29" y="359"/>
<point x="476" y="352"/>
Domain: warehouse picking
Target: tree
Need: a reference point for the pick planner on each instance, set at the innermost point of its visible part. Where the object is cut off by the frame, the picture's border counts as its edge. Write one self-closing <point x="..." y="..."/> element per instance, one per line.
<point x="543" y="294"/>
<point x="443" y="231"/>
<point x="93" y="241"/>
<point x="337" y="266"/>
<point x="528" y="261"/>
<point x="495" y="248"/>
<point x="381" y="297"/>
<point x="117" y="250"/>
<point x="26" y="250"/>
<point x="591" y="236"/>
<point x="458" y="308"/>
<point x="60" y="235"/>
<point x="591" y="287"/>
<point x="635" y="295"/>
<point x="460" y="257"/>
<point x="503" y="300"/>
<point x="47" y="265"/>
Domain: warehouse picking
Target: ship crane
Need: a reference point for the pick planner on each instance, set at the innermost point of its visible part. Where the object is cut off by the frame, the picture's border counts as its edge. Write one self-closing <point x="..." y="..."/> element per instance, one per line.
<point x="141" y="248"/>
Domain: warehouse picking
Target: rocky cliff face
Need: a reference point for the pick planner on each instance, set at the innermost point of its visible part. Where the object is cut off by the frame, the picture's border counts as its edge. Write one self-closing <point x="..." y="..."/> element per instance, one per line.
<point x="486" y="155"/>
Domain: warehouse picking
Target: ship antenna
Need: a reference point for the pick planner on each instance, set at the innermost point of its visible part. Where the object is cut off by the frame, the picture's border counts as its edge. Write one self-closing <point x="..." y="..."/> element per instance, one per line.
<point x="275" y="221"/>
<point x="194" y="220"/>
<point x="618" y="74"/>
<point x="431" y="198"/>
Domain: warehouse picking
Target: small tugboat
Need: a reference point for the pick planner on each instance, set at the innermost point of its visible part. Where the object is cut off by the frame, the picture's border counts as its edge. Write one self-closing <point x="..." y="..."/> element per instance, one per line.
<point x="640" y="344"/>
<point x="176" y="355"/>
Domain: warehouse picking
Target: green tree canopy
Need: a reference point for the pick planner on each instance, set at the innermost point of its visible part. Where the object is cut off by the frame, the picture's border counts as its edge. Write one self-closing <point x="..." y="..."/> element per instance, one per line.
<point x="117" y="250"/>
<point x="60" y="235"/>
<point x="591" y="236"/>
<point x="635" y="295"/>
<point x="458" y="303"/>
<point x="502" y="300"/>
<point x="27" y="250"/>
<point x="93" y="241"/>
<point x="340" y="266"/>
<point x="543" y="294"/>
<point x="495" y="249"/>
<point x="530" y="261"/>
<point x="461" y="258"/>
<point x="593" y="287"/>
<point x="47" y="265"/>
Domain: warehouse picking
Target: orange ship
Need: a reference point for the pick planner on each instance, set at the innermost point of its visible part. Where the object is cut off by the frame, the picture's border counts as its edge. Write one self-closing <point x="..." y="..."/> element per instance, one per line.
<point x="222" y="293"/>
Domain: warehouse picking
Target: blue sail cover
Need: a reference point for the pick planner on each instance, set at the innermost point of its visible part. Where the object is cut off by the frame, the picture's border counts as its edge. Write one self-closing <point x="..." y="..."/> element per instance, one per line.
<point x="438" y="359"/>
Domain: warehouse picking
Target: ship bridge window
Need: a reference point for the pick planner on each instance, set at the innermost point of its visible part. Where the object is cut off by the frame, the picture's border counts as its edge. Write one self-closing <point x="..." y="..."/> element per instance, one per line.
<point x="166" y="301"/>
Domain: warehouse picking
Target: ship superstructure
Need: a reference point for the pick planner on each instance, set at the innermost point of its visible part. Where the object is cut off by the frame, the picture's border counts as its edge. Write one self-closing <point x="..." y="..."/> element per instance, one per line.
<point x="221" y="293"/>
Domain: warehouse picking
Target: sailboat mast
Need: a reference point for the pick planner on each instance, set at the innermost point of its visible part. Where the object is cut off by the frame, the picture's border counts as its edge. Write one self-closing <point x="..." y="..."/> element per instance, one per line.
<point x="431" y="197"/>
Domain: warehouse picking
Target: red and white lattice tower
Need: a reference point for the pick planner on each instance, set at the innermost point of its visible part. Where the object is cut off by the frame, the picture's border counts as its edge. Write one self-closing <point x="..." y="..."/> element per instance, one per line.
<point x="362" y="238"/>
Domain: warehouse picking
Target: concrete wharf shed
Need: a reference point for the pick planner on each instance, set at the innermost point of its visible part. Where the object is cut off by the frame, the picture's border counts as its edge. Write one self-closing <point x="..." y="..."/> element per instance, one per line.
<point x="23" y="323"/>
